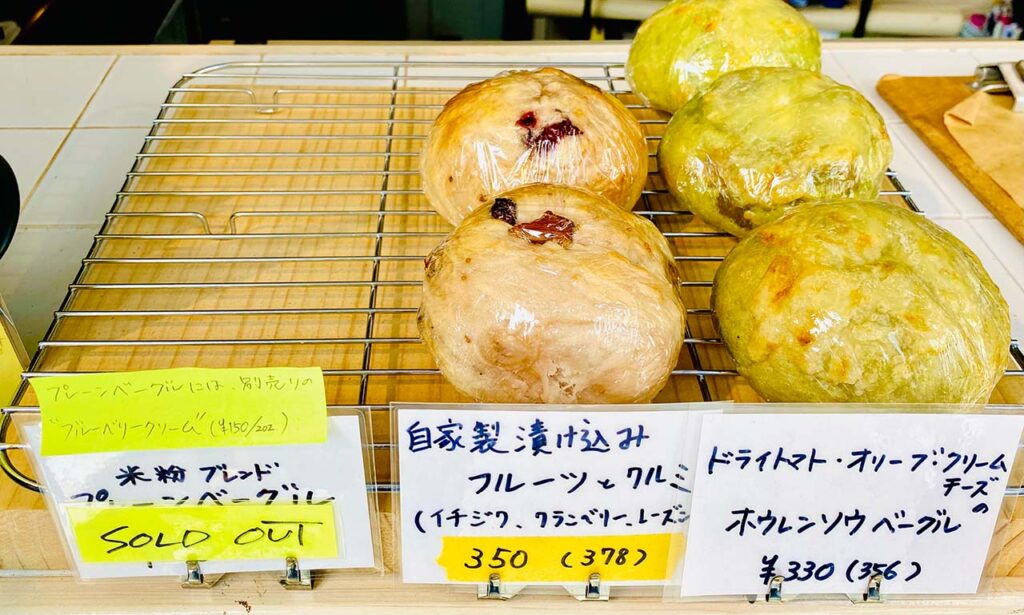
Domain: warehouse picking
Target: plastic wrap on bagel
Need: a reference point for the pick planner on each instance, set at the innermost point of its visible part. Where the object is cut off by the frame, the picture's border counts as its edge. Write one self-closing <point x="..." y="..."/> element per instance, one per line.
<point x="861" y="301"/>
<point x="551" y="294"/>
<point x="527" y="127"/>
<point x="762" y="141"/>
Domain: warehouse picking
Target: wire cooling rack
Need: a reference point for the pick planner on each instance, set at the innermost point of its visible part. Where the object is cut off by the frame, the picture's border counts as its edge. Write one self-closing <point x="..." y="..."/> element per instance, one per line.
<point x="274" y="217"/>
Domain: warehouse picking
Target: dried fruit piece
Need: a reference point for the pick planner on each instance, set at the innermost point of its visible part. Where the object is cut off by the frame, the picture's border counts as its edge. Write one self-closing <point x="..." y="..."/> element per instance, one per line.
<point x="429" y="262"/>
<point x="548" y="136"/>
<point x="553" y="133"/>
<point x="548" y="227"/>
<point x="528" y="120"/>
<point x="433" y="261"/>
<point x="505" y="210"/>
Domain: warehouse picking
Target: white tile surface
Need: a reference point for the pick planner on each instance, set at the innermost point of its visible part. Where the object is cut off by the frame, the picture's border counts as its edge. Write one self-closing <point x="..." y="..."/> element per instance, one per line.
<point x="47" y="91"/>
<point x="35" y="273"/>
<point x="1010" y="287"/>
<point x="943" y="183"/>
<point x="1005" y="246"/>
<point x="830" y="67"/>
<point x="923" y="189"/>
<point x="81" y="183"/>
<point x="329" y="70"/>
<point x="992" y="55"/>
<point x="571" y="54"/>
<point x="459" y="75"/>
<point x="867" y="67"/>
<point x="132" y="92"/>
<point x="321" y="58"/>
<point x="28" y="152"/>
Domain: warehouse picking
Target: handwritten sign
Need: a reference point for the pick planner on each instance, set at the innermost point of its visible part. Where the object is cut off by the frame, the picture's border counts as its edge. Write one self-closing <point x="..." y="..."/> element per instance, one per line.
<point x="543" y="495"/>
<point x="181" y="408"/>
<point x="828" y="500"/>
<point x="107" y="534"/>
<point x="230" y="478"/>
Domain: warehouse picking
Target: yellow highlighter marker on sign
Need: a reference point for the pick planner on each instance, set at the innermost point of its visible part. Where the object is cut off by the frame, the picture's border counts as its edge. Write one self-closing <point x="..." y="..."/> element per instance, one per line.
<point x="121" y="534"/>
<point x="181" y="408"/>
<point x="559" y="559"/>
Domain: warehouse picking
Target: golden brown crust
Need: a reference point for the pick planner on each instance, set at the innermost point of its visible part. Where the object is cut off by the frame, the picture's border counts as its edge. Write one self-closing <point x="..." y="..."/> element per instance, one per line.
<point x="861" y="301"/>
<point x="762" y="141"/>
<point x="525" y="127"/>
<point x="596" y="319"/>
<point x="680" y="50"/>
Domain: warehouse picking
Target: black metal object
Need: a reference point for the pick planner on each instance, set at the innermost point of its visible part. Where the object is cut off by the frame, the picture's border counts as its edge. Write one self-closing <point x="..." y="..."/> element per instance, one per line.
<point x="588" y="14"/>
<point x="10" y="205"/>
<point x="862" y="18"/>
<point x="257" y="21"/>
<point x="97" y="22"/>
<point x="109" y="22"/>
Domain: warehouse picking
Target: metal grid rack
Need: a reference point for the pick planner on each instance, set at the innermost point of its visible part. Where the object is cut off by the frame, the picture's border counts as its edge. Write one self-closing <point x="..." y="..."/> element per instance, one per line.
<point x="274" y="216"/>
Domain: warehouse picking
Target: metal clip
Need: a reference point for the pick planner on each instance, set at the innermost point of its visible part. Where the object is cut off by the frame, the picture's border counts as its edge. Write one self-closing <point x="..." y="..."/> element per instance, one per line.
<point x="593" y="590"/>
<point x="774" y="590"/>
<point x="295" y="577"/>
<point x="1002" y="78"/>
<point x="494" y="589"/>
<point x="874" y="593"/>
<point x="774" y="593"/>
<point x="194" y="577"/>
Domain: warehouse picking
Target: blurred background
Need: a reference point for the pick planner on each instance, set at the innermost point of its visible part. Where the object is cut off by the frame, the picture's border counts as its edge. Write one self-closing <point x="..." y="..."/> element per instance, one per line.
<point x="97" y="22"/>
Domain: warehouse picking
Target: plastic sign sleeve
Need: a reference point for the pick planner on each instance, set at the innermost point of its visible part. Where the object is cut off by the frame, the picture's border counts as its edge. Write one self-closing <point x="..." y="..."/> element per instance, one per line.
<point x="181" y="408"/>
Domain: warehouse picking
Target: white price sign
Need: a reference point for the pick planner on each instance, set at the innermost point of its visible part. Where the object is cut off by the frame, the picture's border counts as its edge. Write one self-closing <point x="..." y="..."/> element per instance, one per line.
<point x="188" y="485"/>
<point x="544" y="494"/>
<point x="826" y="501"/>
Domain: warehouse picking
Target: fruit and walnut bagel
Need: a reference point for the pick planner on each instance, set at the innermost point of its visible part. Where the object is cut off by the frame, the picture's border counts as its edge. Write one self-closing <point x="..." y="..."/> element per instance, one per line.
<point x="550" y="294"/>
<point x="526" y="127"/>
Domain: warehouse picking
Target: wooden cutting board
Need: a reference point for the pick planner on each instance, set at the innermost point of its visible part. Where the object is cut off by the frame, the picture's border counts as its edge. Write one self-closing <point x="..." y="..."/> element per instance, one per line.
<point x="921" y="102"/>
